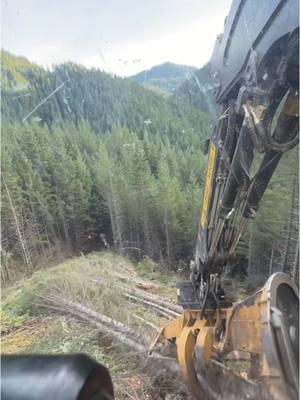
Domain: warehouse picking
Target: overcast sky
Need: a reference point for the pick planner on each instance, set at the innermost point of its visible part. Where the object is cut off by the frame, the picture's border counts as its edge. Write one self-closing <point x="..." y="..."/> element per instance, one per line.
<point x="119" y="36"/>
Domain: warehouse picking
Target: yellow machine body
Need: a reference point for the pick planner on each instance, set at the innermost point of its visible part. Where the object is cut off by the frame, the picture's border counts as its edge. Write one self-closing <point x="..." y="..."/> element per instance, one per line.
<point x="245" y="328"/>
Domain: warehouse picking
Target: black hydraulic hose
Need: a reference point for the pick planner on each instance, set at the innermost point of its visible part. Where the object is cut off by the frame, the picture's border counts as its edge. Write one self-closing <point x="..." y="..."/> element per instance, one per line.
<point x="239" y="170"/>
<point x="270" y="144"/>
<point x="203" y="306"/>
<point x="287" y="136"/>
<point x="257" y="138"/>
<point x="260" y="183"/>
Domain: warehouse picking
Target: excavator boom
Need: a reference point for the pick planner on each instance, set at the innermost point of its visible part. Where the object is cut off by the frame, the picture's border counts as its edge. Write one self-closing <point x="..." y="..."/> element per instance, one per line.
<point x="255" y="68"/>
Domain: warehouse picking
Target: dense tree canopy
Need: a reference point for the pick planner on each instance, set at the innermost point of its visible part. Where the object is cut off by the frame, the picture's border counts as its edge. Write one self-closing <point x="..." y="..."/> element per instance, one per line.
<point x="104" y="162"/>
<point x="101" y="162"/>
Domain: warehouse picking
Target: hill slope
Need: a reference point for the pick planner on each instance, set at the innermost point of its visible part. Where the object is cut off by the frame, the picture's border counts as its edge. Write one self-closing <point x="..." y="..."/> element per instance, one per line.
<point x="197" y="91"/>
<point x="14" y="70"/>
<point x="164" y="78"/>
<point x="192" y="86"/>
<point x="32" y="326"/>
<point x="88" y="156"/>
<point x="102" y="100"/>
<point x="102" y="162"/>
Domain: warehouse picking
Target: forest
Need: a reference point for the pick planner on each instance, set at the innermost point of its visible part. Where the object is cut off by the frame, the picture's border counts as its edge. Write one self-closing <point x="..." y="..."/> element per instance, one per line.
<point x="93" y="161"/>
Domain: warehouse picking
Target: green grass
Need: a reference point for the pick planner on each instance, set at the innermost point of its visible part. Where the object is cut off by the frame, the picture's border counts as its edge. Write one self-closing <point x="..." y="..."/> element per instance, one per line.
<point x="63" y="335"/>
<point x="23" y="301"/>
<point x="29" y="327"/>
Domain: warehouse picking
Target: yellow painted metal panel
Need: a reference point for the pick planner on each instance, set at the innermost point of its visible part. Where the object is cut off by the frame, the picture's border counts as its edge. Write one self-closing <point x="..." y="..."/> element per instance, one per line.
<point x="208" y="184"/>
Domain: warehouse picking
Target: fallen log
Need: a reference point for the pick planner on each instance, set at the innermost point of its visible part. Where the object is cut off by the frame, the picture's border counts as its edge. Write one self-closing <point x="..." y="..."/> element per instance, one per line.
<point x="110" y="330"/>
<point x="161" y="310"/>
<point x="118" y="326"/>
<point x="174" y="309"/>
<point x="156" y="299"/>
<point x="113" y="328"/>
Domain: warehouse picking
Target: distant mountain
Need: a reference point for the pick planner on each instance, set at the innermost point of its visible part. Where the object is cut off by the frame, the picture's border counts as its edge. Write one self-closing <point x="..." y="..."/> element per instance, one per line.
<point x="165" y="78"/>
<point x="104" y="101"/>
<point x="185" y="83"/>
<point x="197" y="90"/>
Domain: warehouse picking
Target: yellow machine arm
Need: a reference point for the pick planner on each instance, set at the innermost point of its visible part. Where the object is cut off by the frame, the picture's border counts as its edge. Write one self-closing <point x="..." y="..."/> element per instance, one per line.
<point x="256" y="70"/>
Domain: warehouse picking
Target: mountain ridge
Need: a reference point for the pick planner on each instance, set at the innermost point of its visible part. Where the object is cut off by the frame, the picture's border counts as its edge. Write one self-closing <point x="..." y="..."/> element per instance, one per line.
<point x="101" y="99"/>
<point x="188" y="84"/>
<point x="164" y="70"/>
<point x="163" y="78"/>
<point x="198" y="91"/>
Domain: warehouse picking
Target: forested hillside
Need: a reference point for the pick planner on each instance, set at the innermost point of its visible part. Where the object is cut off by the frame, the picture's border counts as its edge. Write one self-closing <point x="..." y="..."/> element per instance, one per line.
<point x="14" y="70"/>
<point x="93" y="161"/>
<point x="103" y="162"/>
<point x="104" y="101"/>
<point x="165" y="78"/>
<point x="271" y="241"/>
<point x="198" y="91"/>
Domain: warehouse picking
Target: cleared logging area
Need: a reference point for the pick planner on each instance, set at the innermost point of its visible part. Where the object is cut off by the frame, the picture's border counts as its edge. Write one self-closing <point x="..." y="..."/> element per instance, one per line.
<point x="105" y="300"/>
